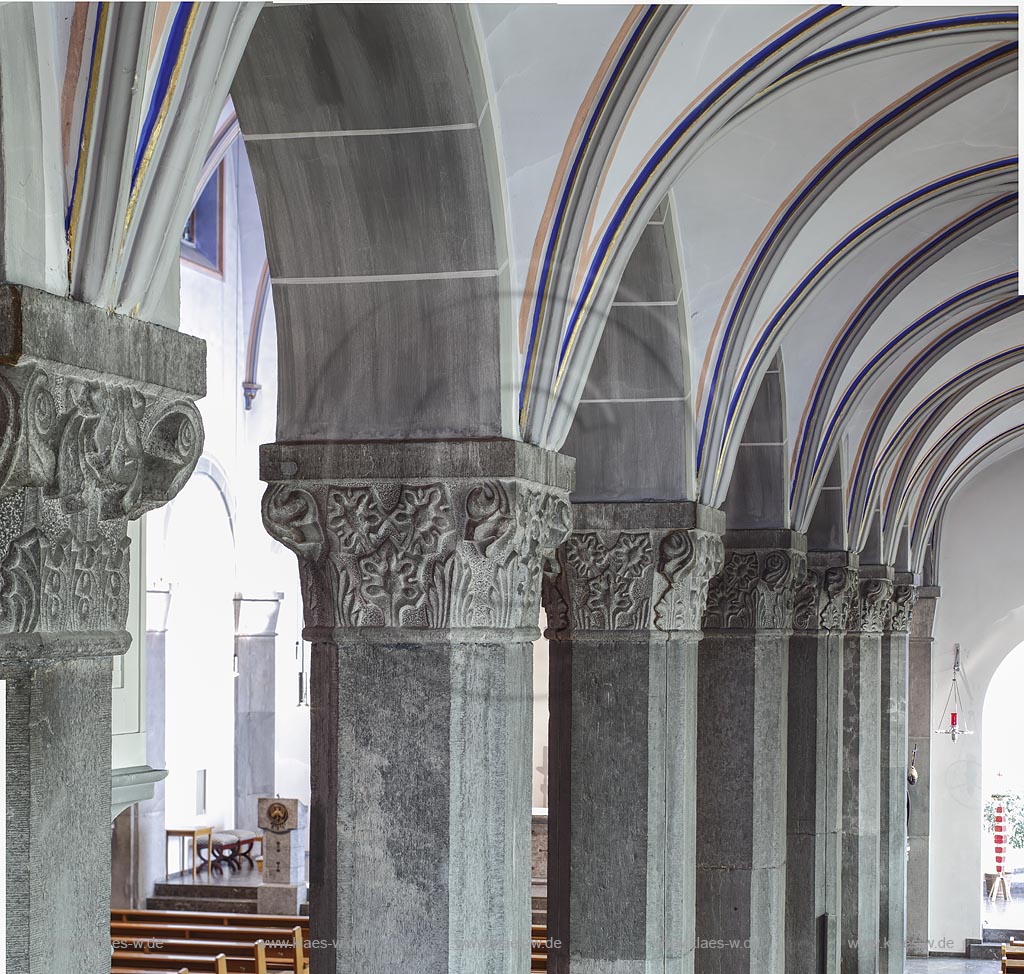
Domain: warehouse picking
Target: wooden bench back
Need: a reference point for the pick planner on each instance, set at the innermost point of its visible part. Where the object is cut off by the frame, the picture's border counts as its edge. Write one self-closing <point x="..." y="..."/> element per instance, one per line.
<point x="209" y="919"/>
<point x="175" y="931"/>
<point x="150" y="964"/>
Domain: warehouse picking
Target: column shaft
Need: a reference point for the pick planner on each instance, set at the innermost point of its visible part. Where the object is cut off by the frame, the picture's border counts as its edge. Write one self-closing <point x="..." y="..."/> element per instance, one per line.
<point x="919" y="735"/>
<point x="624" y="614"/>
<point x="893" y="781"/>
<point x="421" y="570"/>
<point x="58" y="797"/>
<point x="862" y="683"/>
<point x="741" y="755"/>
<point x="815" y="762"/>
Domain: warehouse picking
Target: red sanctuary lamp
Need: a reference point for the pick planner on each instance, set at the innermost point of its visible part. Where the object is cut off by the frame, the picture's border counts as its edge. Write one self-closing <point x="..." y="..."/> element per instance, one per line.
<point x="950" y="722"/>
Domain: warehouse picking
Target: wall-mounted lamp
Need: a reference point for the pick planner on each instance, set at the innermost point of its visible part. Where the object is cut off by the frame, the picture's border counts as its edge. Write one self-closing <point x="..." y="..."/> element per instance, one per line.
<point x="951" y="721"/>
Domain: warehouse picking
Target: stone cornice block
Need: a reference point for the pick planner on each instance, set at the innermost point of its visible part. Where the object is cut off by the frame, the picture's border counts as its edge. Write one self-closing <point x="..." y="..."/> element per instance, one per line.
<point x="36" y="326"/>
<point x="639" y="516"/>
<point x="416" y="460"/>
<point x="766" y="539"/>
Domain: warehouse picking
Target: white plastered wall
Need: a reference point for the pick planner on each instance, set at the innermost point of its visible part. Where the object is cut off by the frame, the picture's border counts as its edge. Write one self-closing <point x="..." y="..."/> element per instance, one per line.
<point x="982" y="609"/>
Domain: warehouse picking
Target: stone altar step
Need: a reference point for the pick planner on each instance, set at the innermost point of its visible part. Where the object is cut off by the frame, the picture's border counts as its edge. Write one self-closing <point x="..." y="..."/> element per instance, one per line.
<point x="203" y="898"/>
<point x="1000" y="935"/>
<point x="983" y="950"/>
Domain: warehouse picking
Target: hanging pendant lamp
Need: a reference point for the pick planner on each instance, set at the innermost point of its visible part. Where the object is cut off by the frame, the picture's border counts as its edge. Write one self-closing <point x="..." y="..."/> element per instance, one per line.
<point x="951" y="722"/>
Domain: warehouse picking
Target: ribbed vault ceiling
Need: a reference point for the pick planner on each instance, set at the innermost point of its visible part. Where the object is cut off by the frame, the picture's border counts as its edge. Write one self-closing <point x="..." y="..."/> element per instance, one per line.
<point x="842" y="186"/>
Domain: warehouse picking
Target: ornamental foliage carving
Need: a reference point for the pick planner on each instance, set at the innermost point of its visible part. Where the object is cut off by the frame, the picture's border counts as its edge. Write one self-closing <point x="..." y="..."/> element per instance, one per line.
<point x="824" y="599"/>
<point x="440" y="555"/>
<point x="755" y="589"/>
<point x="872" y="605"/>
<point x="613" y="581"/>
<point x="78" y="459"/>
<point x="901" y="608"/>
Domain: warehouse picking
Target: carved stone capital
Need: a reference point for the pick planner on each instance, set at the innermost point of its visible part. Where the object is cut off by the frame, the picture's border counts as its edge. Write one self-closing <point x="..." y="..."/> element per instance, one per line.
<point x="82" y="451"/>
<point x="872" y="605"/>
<point x="824" y="599"/>
<point x="449" y="551"/>
<point x="614" y="574"/>
<point x="757" y="585"/>
<point x="901" y="606"/>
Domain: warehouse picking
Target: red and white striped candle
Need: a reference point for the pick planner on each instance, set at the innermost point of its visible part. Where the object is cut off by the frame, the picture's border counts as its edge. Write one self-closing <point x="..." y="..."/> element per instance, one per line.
<point x="999" y="834"/>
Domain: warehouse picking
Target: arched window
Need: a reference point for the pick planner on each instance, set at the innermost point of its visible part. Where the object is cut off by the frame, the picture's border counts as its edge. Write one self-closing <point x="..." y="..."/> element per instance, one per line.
<point x="201" y="238"/>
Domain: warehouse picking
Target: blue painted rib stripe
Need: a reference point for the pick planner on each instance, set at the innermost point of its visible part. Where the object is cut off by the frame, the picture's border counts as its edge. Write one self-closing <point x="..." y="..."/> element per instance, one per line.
<point x="968" y="425"/>
<point x="868" y="225"/>
<point x="940" y="498"/>
<point x="832" y="163"/>
<point x="918" y="255"/>
<point x="916" y="412"/>
<point x="919" y="367"/>
<point x="666" y="146"/>
<point x="862" y="376"/>
<point x="85" y="112"/>
<point x="172" y="50"/>
<point x="948" y="455"/>
<point x="570" y="182"/>
<point x="895" y="33"/>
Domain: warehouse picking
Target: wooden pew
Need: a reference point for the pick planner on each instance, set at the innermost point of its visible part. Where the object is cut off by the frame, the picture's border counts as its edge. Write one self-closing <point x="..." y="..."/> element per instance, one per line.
<point x="219" y="967"/>
<point x="279" y="953"/>
<point x="137" y="962"/>
<point x="180" y="917"/>
<point x="186" y="933"/>
<point x="1013" y="958"/>
<point x="181" y="931"/>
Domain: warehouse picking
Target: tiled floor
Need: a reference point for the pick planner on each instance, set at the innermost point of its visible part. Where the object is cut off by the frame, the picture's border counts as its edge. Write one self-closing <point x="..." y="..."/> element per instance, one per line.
<point x="950" y="965"/>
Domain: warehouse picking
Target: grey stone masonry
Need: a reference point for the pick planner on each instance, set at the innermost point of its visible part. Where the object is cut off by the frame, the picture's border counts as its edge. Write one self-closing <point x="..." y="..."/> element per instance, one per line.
<point x="255" y="707"/>
<point x="421" y="567"/>
<point x="822" y="610"/>
<point x="624" y="604"/>
<point x="892" y="828"/>
<point x="152" y="819"/>
<point x="97" y="426"/>
<point x="862" y="717"/>
<point x="919" y="735"/>
<point x="743" y="676"/>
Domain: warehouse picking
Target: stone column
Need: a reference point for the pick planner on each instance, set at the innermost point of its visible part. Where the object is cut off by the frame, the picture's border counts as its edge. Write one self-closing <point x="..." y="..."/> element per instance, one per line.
<point x="892" y="829"/>
<point x="255" y="703"/>
<point x="624" y="614"/>
<point x="420" y="566"/>
<point x="821" y="616"/>
<point x="862" y="682"/>
<point x="919" y="735"/>
<point x="743" y="677"/>
<point x="97" y="426"/>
